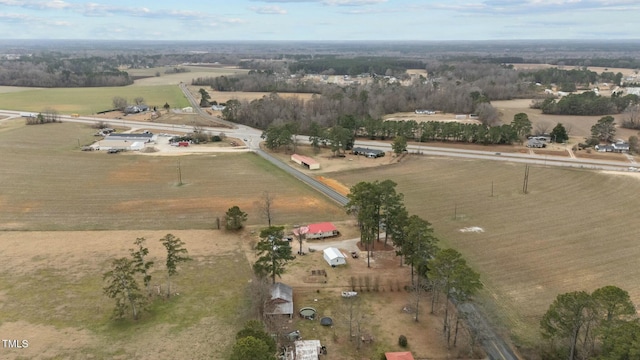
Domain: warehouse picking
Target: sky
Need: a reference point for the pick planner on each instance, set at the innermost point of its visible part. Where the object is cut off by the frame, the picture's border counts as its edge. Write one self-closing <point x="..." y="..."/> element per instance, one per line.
<point x="320" y="20"/>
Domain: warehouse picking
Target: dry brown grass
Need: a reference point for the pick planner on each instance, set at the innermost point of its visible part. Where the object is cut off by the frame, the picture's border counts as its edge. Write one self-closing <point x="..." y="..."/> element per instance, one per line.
<point x="49" y="184"/>
<point x="52" y="296"/>
<point x="570" y="232"/>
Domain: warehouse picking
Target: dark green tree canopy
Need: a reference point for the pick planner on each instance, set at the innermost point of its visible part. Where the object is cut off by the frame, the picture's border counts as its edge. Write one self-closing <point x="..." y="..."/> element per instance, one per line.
<point x="235" y="218"/>
<point x="521" y="125"/>
<point x="255" y="328"/>
<point x="273" y="253"/>
<point x="604" y="129"/>
<point x="399" y="145"/>
<point x="559" y="133"/>
<point x="251" y="348"/>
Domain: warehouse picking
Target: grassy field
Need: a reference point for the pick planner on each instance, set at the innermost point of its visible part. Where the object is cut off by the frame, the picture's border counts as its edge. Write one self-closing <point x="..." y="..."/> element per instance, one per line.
<point x="51" y="290"/>
<point x="86" y="101"/>
<point x="572" y="231"/>
<point x="49" y="184"/>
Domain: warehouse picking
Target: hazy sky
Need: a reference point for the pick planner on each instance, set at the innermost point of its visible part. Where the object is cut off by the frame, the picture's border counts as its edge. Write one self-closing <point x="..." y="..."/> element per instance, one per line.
<point x="319" y="19"/>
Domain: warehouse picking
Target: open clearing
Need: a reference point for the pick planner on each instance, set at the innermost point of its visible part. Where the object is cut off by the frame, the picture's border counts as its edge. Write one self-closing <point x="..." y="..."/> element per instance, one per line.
<point x="51" y="291"/>
<point x="51" y="281"/>
<point x="185" y="77"/>
<point x="577" y="126"/>
<point x="86" y="101"/>
<point x="570" y="232"/>
<point x="49" y="184"/>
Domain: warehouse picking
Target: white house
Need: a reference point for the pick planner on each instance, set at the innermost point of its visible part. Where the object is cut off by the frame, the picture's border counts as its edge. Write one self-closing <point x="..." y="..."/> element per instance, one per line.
<point x="334" y="257"/>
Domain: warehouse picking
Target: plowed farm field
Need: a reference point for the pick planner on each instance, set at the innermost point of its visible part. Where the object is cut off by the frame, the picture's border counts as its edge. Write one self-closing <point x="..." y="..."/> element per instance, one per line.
<point x="49" y="184"/>
<point x="573" y="230"/>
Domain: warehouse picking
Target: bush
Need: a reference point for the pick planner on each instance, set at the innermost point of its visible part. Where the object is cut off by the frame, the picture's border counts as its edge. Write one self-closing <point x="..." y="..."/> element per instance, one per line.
<point x="402" y="341"/>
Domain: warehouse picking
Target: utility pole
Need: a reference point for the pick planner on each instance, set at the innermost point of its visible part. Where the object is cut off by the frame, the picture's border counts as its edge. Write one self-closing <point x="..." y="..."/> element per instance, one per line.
<point x="525" y="182"/>
<point x="179" y="174"/>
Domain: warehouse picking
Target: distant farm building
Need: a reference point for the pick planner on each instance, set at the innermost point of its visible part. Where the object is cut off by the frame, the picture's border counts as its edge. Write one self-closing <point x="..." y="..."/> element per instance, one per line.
<point x="305" y="161"/>
<point x="317" y="231"/>
<point x="370" y="153"/>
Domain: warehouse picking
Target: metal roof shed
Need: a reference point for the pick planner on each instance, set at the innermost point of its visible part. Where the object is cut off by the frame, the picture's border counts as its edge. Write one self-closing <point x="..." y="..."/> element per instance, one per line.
<point x="334" y="257"/>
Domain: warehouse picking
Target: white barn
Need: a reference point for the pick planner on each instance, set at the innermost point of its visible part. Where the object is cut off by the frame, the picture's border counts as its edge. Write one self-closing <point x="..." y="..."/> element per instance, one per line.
<point x="334" y="257"/>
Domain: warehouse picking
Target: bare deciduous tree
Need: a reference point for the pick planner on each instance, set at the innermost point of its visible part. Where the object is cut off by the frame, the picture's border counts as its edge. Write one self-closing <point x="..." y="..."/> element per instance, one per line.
<point x="542" y="127"/>
<point x="265" y="206"/>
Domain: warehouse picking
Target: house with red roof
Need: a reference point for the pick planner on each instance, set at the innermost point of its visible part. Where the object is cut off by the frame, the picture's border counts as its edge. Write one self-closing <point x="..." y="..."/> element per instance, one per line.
<point x="318" y="231"/>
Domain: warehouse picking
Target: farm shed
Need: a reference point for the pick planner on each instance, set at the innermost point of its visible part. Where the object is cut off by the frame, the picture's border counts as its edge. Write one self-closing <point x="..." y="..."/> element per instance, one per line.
<point x="119" y="145"/>
<point x="308" y="349"/>
<point x="334" y="257"/>
<point x="317" y="231"/>
<point x="403" y="355"/>
<point x="307" y="162"/>
<point x="281" y="302"/>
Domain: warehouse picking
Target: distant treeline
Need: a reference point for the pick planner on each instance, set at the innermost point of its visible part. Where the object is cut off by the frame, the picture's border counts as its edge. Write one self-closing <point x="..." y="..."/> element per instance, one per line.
<point x="52" y="71"/>
<point x="258" y="81"/>
<point x="569" y="80"/>
<point x="587" y="103"/>
<point x="623" y="62"/>
<point x="355" y="66"/>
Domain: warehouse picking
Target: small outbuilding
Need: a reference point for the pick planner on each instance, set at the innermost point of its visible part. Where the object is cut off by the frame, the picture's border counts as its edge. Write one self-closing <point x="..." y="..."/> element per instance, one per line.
<point x="308" y="349"/>
<point x="402" y="355"/>
<point x="281" y="302"/>
<point x="334" y="257"/>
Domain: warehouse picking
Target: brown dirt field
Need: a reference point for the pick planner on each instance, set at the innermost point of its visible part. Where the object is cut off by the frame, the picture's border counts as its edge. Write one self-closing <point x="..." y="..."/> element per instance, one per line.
<point x="551" y="152"/>
<point x="527" y="253"/>
<point x="335" y="185"/>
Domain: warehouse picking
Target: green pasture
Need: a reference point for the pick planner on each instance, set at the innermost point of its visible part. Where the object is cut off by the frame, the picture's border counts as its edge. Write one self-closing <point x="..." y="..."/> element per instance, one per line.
<point x="87" y="101"/>
<point x="49" y="184"/>
<point x="572" y="231"/>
